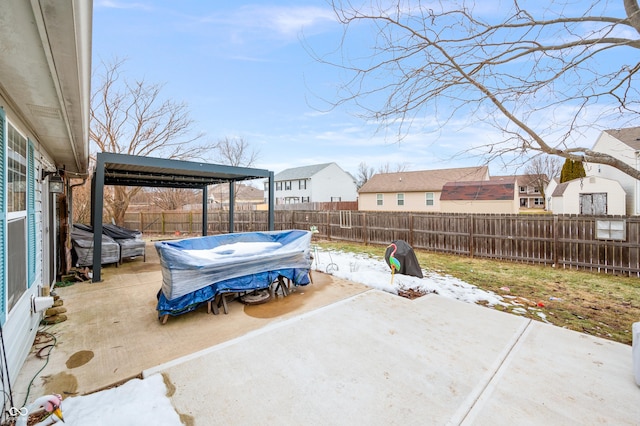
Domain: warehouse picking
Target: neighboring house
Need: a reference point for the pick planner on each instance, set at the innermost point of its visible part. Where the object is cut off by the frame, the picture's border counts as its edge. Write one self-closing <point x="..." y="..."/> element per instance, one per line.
<point x="247" y="197"/>
<point x="492" y="196"/>
<point x="413" y="191"/>
<point x="45" y="74"/>
<point x="530" y="191"/>
<point x="623" y="144"/>
<point x="590" y="195"/>
<point x="314" y="184"/>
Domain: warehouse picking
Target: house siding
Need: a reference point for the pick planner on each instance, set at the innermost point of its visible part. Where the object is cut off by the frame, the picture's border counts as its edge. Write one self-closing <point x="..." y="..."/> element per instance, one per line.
<point x="480" y="206"/>
<point x="414" y="185"/>
<point x="20" y="325"/>
<point x="333" y="182"/>
<point x="615" y="147"/>
<point x="321" y="186"/>
<point x="413" y="201"/>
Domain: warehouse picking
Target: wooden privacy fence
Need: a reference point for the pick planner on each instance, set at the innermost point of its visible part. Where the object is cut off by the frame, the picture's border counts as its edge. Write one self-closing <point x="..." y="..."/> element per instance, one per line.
<point x="566" y="241"/>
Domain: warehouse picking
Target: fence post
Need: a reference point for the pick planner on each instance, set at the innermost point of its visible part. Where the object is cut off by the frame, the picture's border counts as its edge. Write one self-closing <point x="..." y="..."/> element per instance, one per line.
<point x="365" y="232"/>
<point x="411" y="230"/>
<point x="328" y="227"/>
<point x="162" y="222"/>
<point x="554" y="247"/>
<point x="141" y="222"/>
<point x="471" y="226"/>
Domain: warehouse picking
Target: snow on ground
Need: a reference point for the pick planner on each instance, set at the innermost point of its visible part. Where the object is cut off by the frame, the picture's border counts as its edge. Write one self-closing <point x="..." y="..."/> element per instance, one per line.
<point x="136" y="402"/>
<point x="139" y="402"/>
<point x="374" y="272"/>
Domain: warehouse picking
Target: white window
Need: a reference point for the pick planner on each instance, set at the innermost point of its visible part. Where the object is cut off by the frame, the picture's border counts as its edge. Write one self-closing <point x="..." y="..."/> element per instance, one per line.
<point x="538" y="201"/>
<point x="400" y="199"/>
<point x="379" y="199"/>
<point x="611" y="230"/>
<point x="16" y="171"/>
<point x="429" y="199"/>
<point x="17" y="215"/>
<point x="336" y="199"/>
<point x="278" y="186"/>
<point x="302" y="184"/>
<point x="287" y="185"/>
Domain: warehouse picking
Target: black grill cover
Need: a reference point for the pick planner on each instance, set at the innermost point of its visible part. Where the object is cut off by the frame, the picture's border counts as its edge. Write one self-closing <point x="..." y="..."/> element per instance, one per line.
<point x="406" y="256"/>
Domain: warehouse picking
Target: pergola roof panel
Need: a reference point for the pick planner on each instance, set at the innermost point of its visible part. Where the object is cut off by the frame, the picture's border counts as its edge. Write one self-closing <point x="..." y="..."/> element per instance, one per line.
<point x="130" y="170"/>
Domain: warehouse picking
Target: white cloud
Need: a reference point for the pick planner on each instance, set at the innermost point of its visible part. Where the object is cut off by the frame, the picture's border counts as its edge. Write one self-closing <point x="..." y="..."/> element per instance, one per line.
<point x="284" y="23"/>
<point x="112" y="4"/>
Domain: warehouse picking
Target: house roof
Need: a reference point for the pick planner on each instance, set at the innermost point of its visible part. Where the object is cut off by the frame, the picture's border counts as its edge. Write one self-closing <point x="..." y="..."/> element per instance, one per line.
<point x="242" y="192"/>
<point x="491" y="190"/>
<point x="559" y="190"/>
<point x="630" y="136"/>
<point x="504" y="179"/>
<point x="562" y="187"/>
<point x="524" y="180"/>
<point x="423" y="180"/>
<point x="303" y="172"/>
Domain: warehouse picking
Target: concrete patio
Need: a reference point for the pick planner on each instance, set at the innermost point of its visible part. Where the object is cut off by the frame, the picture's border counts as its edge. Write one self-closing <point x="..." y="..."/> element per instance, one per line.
<point x="113" y="332"/>
<point x="334" y="352"/>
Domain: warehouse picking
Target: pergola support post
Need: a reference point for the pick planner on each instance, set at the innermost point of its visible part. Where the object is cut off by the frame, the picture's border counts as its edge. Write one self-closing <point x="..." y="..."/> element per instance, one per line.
<point x="232" y="205"/>
<point x="205" y="211"/>
<point x="96" y="217"/>
<point x="272" y="203"/>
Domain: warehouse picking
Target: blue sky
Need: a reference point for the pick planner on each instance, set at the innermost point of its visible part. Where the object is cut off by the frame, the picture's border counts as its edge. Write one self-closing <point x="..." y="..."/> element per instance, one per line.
<point x="243" y="70"/>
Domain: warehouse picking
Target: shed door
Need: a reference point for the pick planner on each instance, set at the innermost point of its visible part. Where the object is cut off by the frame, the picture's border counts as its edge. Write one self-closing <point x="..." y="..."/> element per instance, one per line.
<point x="595" y="204"/>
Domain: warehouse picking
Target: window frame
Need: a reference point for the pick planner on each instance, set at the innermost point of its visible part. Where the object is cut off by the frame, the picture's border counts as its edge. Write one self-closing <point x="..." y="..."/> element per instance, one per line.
<point x="400" y="199"/>
<point x="427" y="199"/>
<point x="25" y="217"/>
<point x="20" y="157"/>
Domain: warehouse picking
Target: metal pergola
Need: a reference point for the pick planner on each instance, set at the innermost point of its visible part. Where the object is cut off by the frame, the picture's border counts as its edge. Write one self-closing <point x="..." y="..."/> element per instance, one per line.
<point x="131" y="170"/>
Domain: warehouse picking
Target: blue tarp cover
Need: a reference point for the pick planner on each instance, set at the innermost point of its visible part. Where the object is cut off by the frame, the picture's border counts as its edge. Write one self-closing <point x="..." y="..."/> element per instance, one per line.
<point x="195" y="270"/>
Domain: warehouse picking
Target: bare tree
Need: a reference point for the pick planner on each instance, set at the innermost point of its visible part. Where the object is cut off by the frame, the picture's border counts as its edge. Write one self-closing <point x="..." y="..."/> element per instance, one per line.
<point x="173" y="198"/>
<point x="364" y="174"/>
<point x="527" y="71"/>
<point x="235" y="152"/>
<point x="396" y="168"/>
<point x="130" y="117"/>
<point x="81" y="200"/>
<point x="541" y="169"/>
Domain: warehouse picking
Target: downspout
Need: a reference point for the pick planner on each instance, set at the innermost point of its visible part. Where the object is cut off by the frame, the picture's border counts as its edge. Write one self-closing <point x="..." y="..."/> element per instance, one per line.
<point x="63" y="251"/>
<point x="84" y="180"/>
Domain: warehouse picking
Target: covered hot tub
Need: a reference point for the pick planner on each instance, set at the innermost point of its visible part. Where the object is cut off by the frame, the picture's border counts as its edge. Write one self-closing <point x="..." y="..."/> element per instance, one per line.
<point x="196" y="270"/>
